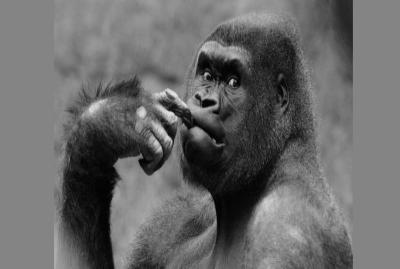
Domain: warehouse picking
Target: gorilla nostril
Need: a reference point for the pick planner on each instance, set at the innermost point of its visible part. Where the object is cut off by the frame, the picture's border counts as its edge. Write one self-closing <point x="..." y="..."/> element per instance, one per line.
<point x="197" y="96"/>
<point x="208" y="103"/>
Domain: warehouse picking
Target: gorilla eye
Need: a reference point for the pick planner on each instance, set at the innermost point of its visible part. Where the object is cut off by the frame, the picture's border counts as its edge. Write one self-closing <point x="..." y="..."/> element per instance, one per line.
<point x="207" y="76"/>
<point x="233" y="83"/>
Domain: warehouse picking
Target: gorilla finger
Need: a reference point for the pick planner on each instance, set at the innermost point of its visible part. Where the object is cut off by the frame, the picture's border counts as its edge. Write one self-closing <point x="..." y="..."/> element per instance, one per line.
<point x="149" y="146"/>
<point x="168" y="119"/>
<point x="171" y="101"/>
<point x="152" y="153"/>
<point x="163" y="138"/>
<point x="180" y="108"/>
<point x="148" y="167"/>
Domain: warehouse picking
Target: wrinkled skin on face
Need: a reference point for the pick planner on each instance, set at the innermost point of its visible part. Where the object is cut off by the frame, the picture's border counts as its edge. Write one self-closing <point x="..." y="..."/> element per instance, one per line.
<point x="246" y="89"/>
<point x="220" y="95"/>
<point x="217" y="103"/>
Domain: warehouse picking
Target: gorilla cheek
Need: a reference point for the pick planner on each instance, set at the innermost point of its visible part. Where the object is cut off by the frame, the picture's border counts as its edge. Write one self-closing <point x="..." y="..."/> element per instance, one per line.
<point x="199" y="149"/>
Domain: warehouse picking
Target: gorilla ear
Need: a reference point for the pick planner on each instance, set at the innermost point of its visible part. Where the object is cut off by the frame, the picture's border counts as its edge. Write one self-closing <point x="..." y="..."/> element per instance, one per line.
<point x="282" y="92"/>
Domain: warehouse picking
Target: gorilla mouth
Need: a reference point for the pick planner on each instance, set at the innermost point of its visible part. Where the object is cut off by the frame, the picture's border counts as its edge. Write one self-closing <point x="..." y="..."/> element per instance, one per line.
<point x="204" y="142"/>
<point x="212" y="129"/>
<point x="209" y="123"/>
<point x="200" y="134"/>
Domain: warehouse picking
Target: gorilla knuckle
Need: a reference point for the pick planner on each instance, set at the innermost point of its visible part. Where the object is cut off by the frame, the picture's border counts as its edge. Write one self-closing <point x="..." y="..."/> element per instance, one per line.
<point x="139" y="127"/>
<point x="141" y="112"/>
<point x="159" y="95"/>
<point x="157" y="150"/>
<point x="142" y="130"/>
<point x="153" y="144"/>
<point x="169" y="143"/>
<point x="171" y="119"/>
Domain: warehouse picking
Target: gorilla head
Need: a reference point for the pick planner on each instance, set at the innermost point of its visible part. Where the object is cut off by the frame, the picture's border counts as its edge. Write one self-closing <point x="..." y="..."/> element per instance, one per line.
<point x="249" y="94"/>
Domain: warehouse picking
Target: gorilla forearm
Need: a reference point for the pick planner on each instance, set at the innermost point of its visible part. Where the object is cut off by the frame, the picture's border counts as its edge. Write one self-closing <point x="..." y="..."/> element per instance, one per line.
<point x="85" y="216"/>
<point x="93" y="140"/>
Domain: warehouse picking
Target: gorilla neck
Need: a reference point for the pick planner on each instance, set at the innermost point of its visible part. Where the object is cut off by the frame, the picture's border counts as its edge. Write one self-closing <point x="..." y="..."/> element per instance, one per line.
<point x="234" y="211"/>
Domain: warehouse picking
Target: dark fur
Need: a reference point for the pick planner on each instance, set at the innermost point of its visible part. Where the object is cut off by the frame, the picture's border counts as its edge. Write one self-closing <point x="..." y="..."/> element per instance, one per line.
<point x="88" y="175"/>
<point x="295" y="222"/>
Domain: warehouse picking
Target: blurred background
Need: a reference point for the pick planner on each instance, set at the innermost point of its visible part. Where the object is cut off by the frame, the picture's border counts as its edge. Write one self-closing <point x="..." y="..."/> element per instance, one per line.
<point x="103" y="40"/>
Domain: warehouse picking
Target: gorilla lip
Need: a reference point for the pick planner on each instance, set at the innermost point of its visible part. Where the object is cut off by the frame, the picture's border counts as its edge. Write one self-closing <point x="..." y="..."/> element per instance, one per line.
<point x="211" y="128"/>
<point x="189" y="121"/>
<point x="207" y="123"/>
<point x="199" y="147"/>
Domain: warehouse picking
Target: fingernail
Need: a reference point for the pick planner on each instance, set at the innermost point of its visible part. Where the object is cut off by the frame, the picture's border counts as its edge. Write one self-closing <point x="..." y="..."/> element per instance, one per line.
<point x="170" y="93"/>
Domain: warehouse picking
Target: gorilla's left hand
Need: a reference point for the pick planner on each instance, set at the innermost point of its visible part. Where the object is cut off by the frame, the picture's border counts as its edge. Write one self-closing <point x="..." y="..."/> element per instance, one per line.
<point x="120" y="126"/>
<point x="156" y="127"/>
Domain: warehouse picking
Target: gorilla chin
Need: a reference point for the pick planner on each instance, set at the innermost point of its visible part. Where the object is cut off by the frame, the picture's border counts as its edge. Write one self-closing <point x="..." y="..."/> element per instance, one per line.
<point x="201" y="148"/>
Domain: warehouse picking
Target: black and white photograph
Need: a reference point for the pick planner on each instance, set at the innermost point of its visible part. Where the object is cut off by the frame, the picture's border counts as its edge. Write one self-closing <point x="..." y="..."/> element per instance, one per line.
<point x="203" y="134"/>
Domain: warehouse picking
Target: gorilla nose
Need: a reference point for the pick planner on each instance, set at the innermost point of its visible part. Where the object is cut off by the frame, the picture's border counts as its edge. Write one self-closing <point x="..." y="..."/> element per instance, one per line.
<point x="205" y="115"/>
<point x="209" y="102"/>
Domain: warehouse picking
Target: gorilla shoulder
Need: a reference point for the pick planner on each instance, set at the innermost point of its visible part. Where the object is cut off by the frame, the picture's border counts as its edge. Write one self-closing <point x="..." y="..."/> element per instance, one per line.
<point x="298" y="228"/>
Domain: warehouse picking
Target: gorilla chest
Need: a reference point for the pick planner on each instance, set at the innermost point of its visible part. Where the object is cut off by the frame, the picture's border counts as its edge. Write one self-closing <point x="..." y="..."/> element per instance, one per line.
<point x="195" y="252"/>
<point x="199" y="253"/>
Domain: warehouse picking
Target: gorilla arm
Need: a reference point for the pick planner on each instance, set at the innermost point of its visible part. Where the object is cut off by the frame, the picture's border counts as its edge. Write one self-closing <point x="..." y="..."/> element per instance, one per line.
<point x="283" y="238"/>
<point x="117" y="121"/>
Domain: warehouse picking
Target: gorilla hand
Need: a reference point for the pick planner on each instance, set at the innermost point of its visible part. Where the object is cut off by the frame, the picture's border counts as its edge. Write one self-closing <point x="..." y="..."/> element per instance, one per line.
<point x="123" y="126"/>
<point x="156" y="128"/>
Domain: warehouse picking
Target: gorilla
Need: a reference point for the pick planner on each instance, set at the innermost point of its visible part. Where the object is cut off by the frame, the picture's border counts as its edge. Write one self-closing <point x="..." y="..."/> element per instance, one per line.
<point x="255" y="194"/>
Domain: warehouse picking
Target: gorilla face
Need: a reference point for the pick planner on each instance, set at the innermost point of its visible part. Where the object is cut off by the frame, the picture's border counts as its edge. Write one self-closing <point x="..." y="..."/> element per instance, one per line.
<point x="238" y="94"/>
<point x="217" y="148"/>
<point x="217" y="102"/>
